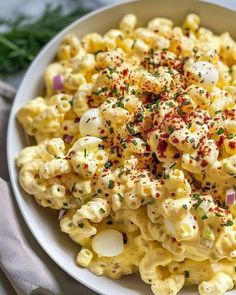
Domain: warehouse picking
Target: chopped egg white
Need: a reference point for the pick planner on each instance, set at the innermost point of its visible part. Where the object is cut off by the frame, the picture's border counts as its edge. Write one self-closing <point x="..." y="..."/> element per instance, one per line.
<point x="108" y="243"/>
<point x="185" y="229"/>
<point x="203" y="72"/>
<point x="91" y="123"/>
<point x="88" y="142"/>
<point x="170" y="226"/>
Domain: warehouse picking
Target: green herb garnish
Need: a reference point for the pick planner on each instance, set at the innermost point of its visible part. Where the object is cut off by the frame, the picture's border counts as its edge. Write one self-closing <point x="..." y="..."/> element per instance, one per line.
<point x="171" y="129"/>
<point x="24" y="37"/>
<point x="198" y="199"/>
<point x="101" y="210"/>
<point x="220" y="131"/>
<point x="186" y="273"/>
<point x="133" y="92"/>
<point x="120" y="196"/>
<point x="229" y="223"/>
<point x="111" y="184"/>
<point x="108" y="165"/>
<point x="81" y="225"/>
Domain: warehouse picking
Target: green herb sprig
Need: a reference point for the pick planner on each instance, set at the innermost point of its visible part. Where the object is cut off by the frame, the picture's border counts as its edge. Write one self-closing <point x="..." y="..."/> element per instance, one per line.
<point x="25" y="36"/>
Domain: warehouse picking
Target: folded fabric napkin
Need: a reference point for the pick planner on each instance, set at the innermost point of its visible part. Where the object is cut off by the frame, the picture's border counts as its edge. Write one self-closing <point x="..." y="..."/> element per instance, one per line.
<point x="25" y="264"/>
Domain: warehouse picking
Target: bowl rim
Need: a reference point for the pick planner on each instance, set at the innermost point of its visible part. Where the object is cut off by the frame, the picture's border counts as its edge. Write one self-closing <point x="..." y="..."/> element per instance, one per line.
<point x="12" y="167"/>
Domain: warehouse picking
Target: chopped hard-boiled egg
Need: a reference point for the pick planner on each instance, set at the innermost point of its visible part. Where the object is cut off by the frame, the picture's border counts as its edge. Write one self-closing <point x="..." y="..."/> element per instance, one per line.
<point x="108" y="243"/>
<point x="203" y="73"/>
<point x="91" y="123"/>
<point x="183" y="230"/>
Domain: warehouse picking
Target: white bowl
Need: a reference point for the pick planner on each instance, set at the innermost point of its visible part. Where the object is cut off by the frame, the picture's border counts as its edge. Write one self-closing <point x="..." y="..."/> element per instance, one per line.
<point x="42" y="222"/>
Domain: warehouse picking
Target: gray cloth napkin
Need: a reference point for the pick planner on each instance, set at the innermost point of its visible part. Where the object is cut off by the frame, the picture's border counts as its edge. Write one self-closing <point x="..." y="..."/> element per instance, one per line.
<point x="25" y="264"/>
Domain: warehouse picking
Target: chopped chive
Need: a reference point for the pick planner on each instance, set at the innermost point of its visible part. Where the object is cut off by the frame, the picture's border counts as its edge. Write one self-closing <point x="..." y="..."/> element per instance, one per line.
<point x="229" y="223"/>
<point x="133" y="44"/>
<point x="111" y="184"/>
<point x="120" y="196"/>
<point x="187" y="102"/>
<point x="196" y="196"/>
<point x="199" y="123"/>
<point x="120" y="104"/>
<point x="104" y="138"/>
<point x="121" y="172"/>
<point x="108" y="164"/>
<point x="220" y="131"/>
<point x="171" y="129"/>
<point x="196" y="145"/>
<point x="186" y="273"/>
<point x="199" y="201"/>
<point x="166" y="176"/>
<point x="172" y="166"/>
<point x="133" y="92"/>
<point x="230" y="136"/>
<point x="131" y="130"/>
<point x="101" y="210"/>
<point x="81" y="225"/>
<point x="170" y="104"/>
<point x="180" y="112"/>
<point x="191" y="140"/>
<point x="195" y="49"/>
<point x="111" y="130"/>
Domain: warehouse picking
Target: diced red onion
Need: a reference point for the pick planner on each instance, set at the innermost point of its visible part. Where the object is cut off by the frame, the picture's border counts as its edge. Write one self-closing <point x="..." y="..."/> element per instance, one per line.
<point x="230" y="197"/>
<point x="62" y="212"/>
<point x="67" y="138"/>
<point x="58" y="82"/>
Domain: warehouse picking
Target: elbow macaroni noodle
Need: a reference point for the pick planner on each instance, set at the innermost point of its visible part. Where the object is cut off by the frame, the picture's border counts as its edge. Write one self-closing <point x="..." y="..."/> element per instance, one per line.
<point x="138" y="147"/>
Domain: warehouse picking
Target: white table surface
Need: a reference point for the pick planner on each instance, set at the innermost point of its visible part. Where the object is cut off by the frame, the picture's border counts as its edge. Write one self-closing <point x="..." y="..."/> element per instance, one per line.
<point x="34" y="7"/>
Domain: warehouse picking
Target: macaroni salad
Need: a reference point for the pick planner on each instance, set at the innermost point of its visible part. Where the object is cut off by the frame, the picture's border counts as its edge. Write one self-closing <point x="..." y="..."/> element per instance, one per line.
<point x="136" y="146"/>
